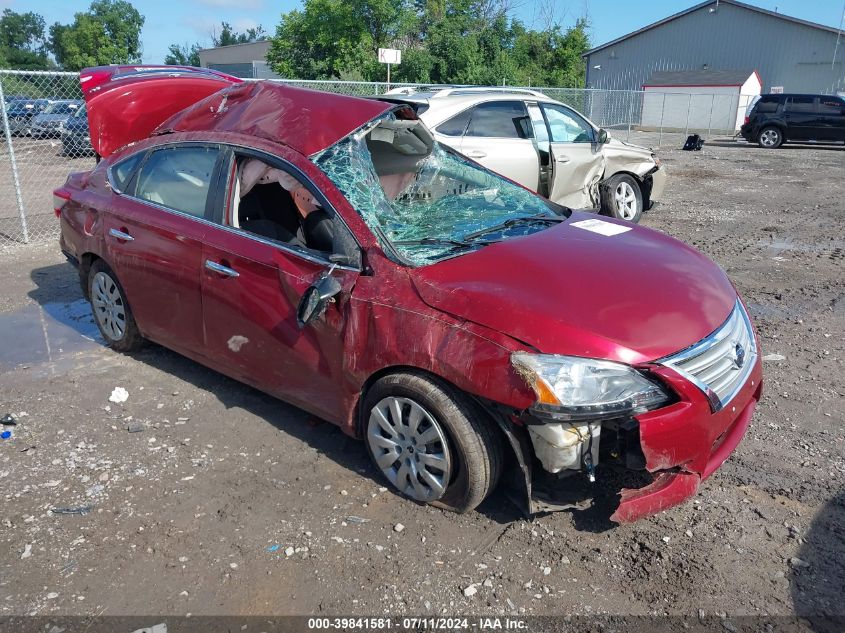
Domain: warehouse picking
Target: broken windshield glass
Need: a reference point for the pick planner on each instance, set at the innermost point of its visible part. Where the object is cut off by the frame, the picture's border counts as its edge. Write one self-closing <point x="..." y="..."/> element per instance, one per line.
<point x="426" y="200"/>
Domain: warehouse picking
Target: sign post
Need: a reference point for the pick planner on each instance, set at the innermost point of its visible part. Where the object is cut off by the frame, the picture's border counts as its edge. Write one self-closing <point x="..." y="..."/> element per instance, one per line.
<point x="389" y="56"/>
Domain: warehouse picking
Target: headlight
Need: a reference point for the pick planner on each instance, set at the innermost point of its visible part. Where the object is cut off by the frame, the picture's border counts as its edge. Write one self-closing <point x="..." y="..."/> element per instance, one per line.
<point x="572" y="388"/>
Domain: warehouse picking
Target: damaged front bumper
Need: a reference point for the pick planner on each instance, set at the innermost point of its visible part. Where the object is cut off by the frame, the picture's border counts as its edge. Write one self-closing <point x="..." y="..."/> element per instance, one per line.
<point x="675" y="447"/>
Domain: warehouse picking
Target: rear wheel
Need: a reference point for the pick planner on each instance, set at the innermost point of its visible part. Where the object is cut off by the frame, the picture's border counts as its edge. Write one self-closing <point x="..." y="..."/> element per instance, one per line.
<point x="431" y="442"/>
<point x="770" y="137"/>
<point x="622" y="198"/>
<point x="111" y="310"/>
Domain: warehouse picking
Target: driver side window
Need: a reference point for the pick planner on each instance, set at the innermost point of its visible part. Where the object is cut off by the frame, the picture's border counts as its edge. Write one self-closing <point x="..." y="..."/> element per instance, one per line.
<point x="278" y="205"/>
<point x="567" y="127"/>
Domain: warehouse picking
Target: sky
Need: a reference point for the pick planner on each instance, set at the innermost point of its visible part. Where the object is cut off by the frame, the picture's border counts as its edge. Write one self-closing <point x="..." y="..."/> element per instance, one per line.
<point x="189" y="21"/>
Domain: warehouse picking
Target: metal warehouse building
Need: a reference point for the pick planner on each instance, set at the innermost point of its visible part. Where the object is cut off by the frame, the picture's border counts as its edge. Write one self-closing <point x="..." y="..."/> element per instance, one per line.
<point x="790" y="55"/>
<point x="241" y="60"/>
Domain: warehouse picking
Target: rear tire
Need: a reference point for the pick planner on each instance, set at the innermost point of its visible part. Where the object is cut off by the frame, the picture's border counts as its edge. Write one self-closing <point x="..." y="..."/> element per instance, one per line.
<point x="112" y="313"/>
<point x="461" y="449"/>
<point x="770" y="137"/>
<point x="622" y="198"/>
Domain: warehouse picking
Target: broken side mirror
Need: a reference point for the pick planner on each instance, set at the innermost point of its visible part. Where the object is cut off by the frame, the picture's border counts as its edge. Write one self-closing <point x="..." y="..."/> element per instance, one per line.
<point x="603" y="136"/>
<point x="316" y="299"/>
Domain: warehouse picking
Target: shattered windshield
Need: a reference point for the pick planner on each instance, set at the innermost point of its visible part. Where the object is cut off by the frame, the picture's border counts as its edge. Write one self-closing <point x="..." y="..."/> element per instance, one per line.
<point x="425" y="200"/>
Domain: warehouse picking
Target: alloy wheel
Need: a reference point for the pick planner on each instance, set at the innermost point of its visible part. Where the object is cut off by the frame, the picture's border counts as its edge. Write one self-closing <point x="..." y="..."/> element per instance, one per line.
<point x="410" y="448"/>
<point x="626" y="201"/>
<point x="109" y="309"/>
<point x="769" y="137"/>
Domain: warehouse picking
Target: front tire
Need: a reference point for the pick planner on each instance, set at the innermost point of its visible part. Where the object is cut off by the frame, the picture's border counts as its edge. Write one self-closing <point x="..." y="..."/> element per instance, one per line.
<point x="432" y="442"/>
<point x="111" y="309"/>
<point x="622" y="198"/>
<point x="770" y="137"/>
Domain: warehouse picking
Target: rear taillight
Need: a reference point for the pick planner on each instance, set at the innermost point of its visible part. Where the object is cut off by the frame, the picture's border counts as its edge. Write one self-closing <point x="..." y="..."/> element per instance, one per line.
<point x="60" y="198"/>
<point x="747" y="120"/>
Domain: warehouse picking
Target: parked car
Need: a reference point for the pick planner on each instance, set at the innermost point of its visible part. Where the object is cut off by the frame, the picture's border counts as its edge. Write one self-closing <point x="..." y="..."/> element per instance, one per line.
<point x="76" y="141"/>
<point x="21" y="113"/>
<point x="51" y="121"/>
<point x="544" y="145"/>
<point x="780" y="118"/>
<point x="330" y="251"/>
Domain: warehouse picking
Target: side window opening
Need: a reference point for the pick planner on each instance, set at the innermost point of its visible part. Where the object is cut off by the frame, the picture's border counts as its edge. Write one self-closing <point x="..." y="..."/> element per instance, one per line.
<point x="274" y="204"/>
<point x="178" y="178"/>
<point x="500" y="119"/>
<point x="122" y="172"/>
<point x="767" y="105"/>
<point x="456" y="126"/>
<point x="831" y="105"/>
<point x="566" y="126"/>
<point x="800" y="104"/>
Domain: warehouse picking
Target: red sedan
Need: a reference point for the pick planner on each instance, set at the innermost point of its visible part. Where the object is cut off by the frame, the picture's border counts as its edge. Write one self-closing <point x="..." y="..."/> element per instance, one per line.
<point x="325" y="249"/>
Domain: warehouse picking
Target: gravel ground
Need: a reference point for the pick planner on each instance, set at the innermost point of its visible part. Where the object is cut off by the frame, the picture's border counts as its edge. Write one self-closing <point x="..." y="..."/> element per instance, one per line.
<point x="200" y="495"/>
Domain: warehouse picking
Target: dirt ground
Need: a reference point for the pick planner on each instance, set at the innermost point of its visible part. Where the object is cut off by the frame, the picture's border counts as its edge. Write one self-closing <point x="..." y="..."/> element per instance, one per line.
<point x="204" y="496"/>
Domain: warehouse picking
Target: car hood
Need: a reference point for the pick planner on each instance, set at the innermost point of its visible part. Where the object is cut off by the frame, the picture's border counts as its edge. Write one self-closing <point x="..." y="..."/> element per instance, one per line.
<point x="632" y="297"/>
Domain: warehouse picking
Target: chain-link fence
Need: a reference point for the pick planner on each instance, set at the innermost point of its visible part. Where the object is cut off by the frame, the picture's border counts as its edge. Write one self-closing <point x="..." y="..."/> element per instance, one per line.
<point x="44" y="131"/>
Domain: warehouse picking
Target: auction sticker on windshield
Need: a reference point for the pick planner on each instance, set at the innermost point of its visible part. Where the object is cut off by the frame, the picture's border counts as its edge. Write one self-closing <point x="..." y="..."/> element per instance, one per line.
<point x="601" y="227"/>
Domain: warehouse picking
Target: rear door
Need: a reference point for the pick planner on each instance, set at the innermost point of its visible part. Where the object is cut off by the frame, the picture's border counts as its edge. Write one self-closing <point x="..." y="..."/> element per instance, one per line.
<point x="831" y="121"/>
<point x="153" y="236"/>
<point x="576" y="163"/>
<point x="801" y="118"/>
<point x="499" y="136"/>
<point x="252" y="283"/>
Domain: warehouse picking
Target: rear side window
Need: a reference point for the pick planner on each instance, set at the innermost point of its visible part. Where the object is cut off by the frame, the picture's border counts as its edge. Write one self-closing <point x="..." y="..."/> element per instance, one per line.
<point x="767" y="105"/>
<point x="829" y="105"/>
<point x="800" y="104"/>
<point x="121" y="173"/>
<point x="178" y="178"/>
<point x="500" y="119"/>
<point x="456" y="125"/>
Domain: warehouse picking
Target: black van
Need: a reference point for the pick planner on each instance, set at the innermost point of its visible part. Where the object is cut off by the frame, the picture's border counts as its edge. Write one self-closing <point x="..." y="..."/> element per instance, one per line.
<point x="776" y="119"/>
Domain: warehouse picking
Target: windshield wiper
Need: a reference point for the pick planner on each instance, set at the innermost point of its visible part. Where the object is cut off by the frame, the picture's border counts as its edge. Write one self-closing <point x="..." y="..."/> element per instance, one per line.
<point x="528" y="219"/>
<point x="436" y="241"/>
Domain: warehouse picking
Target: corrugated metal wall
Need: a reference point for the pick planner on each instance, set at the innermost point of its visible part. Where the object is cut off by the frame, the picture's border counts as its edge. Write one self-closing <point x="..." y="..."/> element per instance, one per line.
<point x="785" y="53"/>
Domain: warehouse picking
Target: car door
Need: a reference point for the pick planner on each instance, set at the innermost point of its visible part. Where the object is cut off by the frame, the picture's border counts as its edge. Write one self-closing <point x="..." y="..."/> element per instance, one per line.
<point x="831" y="119"/>
<point x="153" y="236"/>
<point x="499" y="137"/>
<point x="576" y="162"/>
<point x="251" y="287"/>
<point x="801" y="118"/>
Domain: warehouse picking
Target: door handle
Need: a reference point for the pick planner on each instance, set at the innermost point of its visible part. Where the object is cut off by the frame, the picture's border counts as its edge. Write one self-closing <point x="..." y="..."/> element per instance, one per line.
<point x="476" y="153"/>
<point x="221" y="269"/>
<point x="562" y="159"/>
<point x="123" y="237"/>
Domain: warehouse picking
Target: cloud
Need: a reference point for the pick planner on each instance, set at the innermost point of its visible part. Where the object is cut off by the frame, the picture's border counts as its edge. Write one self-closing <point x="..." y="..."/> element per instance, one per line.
<point x="242" y="5"/>
<point x="244" y="24"/>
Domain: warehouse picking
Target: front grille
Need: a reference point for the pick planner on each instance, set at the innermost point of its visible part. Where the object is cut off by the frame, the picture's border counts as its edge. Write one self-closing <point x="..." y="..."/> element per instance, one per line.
<point x="720" y="364"/>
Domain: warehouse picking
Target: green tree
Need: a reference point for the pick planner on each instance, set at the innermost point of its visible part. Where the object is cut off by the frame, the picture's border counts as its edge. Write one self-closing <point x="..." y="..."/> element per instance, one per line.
<point x="183" y="55"/>
<point x="108" y="33"/>
<point x="334" y="38"/>
<point x="23" y="43"/>
<point x="443" y="41"/>
<point x="228" y="36"/>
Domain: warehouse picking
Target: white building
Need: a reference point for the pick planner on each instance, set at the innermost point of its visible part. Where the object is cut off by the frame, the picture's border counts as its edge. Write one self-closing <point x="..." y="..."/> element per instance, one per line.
<point x="698" y="99"/>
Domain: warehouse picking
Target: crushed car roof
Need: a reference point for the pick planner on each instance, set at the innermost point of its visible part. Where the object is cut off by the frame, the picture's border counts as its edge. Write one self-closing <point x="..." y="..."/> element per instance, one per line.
<point x="307" y="121"/>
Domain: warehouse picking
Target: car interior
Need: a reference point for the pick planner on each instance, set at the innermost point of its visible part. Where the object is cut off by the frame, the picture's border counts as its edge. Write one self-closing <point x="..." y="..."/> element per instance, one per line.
<point x="271" y="203"/>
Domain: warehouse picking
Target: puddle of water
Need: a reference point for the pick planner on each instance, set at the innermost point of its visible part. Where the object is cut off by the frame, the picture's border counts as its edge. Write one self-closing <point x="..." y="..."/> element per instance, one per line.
<point x="779" y="245"/>
<point x="47" y="334"/>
